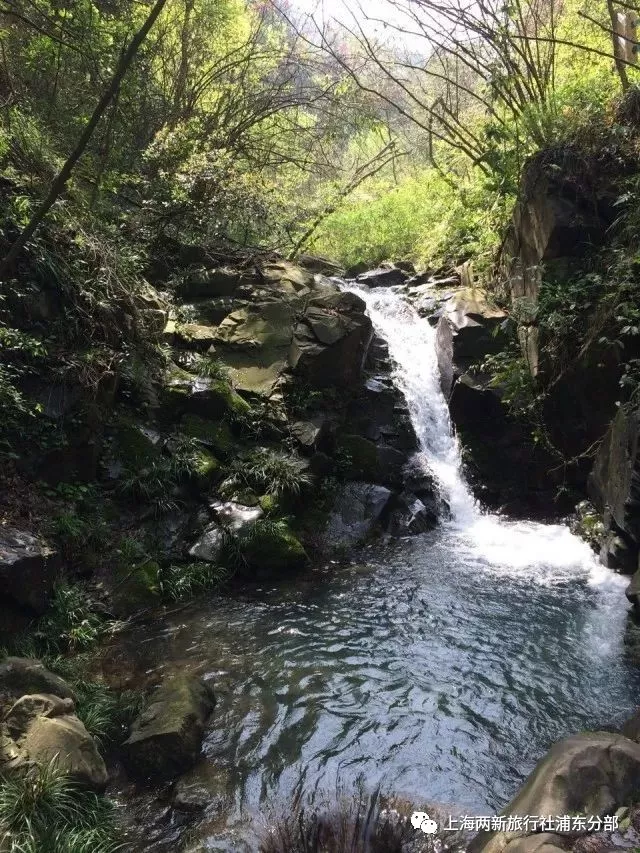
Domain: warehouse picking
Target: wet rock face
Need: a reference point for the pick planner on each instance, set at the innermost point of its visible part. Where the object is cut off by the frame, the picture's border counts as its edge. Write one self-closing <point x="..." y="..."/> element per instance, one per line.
<point x="356" y="514"/>
<point x="28" y="569"/>
<point x="165" y="739"/>
<point x="614" y="487"/>
<point x="21" y="676"/>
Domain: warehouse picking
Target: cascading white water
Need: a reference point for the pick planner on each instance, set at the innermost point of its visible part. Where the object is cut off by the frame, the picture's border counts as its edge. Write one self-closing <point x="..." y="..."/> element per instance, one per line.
<point x="547" y="553"/>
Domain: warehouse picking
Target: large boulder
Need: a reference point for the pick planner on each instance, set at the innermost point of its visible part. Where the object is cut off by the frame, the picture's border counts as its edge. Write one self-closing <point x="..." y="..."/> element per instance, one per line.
<point x="166" y="738"/>
<point x="41" y="728"/>
<point x="410" y="516"/>
<point x="590" y="774"/>
<point x="507" y="468"/>
<point x="203" y="396"/>
<point x="330" y="342"/>
<point x="467" y="331"/>
<point x="565" y="209"/>
<point x="28" y="568"/>
<point x="356" y="514"/>
<point x="384" y="276"/>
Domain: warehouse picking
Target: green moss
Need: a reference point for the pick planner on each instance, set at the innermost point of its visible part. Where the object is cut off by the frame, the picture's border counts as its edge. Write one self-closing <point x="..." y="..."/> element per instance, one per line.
<point x="235" y="404"/>
<point x="214" y="434"/>
<point x="206" y="468"/>
<point x="132" y="446"/>
<point x="267" y="548"/>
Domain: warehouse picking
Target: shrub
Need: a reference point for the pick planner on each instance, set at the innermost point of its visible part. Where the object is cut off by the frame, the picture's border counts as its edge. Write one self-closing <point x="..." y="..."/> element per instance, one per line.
<point x="43" y="811"/>
<point x="71" y="624"/>
<point x="156" y="482"/>
<point x="185" y="581"/>
<point x="106" y="713"/>
<point x="273" y="472"/>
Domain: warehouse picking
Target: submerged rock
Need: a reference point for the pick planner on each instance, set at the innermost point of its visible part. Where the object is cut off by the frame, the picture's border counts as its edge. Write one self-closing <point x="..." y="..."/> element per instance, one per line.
<point x="165" y="739"/>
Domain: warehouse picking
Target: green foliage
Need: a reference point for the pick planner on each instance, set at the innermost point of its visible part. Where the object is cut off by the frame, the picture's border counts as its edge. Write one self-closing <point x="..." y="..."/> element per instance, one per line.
<point x="70" y="625"/>
<point x="179" y="582"/>
<point x="272" y="472"/>
<point x="43" y="811"/>
<point x="212" y="368"/>
<point x="107" y="714"/>
<point x="425" y="217"/>
<point x="267" y="544"/>
<point x="157" y="483"/>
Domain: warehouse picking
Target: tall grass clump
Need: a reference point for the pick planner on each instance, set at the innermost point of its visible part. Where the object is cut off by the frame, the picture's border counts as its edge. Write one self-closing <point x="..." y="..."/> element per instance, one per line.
<point x="272" y="472"/>
<point x="44" y="811"/>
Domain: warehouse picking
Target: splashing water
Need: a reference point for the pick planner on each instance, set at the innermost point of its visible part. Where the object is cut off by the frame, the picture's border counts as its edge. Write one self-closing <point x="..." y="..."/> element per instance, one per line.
<point x="548" y="553"/>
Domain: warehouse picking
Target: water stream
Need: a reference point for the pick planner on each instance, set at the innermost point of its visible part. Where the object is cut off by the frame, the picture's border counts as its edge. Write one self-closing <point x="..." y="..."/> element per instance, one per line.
<point x="441" y="666"/>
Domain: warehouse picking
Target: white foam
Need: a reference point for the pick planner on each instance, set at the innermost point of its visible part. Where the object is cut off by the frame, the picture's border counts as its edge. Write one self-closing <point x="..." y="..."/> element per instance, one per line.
<point x="545" y="553"/>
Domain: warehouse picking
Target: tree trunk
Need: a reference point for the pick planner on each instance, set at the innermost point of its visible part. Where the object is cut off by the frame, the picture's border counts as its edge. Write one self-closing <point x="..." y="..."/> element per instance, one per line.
<point x="621" y="66"/>
<point x="60" y="181"/>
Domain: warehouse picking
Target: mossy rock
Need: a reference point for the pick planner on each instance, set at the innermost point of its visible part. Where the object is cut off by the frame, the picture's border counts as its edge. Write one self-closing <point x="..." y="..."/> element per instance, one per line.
<point x="214" y="434"/>
<point x="271" y="549"/>
<point x="206" y="469"/>
<point x="210" y="398"/>
<point x="134" y="446"/>
<point x="137" y="588"/>
<point x="357" y="457"/>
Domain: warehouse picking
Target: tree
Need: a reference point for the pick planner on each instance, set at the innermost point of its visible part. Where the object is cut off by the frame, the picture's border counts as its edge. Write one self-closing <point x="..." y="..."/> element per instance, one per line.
<point x="59" y="182"/>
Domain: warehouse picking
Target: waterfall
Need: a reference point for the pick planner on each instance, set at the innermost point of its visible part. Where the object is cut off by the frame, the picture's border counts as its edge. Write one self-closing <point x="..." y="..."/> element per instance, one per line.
<point x="548" y="553"/>
<point x="412" y="347"/>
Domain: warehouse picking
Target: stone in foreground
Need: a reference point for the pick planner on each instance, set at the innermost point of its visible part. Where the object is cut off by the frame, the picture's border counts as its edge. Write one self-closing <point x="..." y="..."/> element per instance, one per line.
<point x="592" y="774"/>
<point x="43" y="728"/>
<point x="165" y="739"/>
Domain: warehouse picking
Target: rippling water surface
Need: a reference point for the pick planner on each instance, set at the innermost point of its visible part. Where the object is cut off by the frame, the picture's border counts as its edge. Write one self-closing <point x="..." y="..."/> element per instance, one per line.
<point x="439" y="676"/>
<point x="441" y="667"/>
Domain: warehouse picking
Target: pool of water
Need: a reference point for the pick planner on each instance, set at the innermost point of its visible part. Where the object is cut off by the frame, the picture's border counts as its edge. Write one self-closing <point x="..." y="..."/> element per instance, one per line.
<point x="431" y="667"/>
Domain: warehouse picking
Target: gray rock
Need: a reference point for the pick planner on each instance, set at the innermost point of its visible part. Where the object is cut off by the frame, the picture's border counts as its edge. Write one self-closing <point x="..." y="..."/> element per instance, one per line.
<point x="234" y="516"/>
<point x="383" y="277"/>
<point x="356" y="513"/>
<point x="43" y="728"/>
<point x="209" y="545"/>
<point x="28" y="568"/>
<point x="22" y="676"/>
<point x="410" y="516"/>
<point x="614" y="483"/>
<point x="633" y="590"/>
<point x="165" y="739"/>
<point x="309" y="433"/>
<point x="591" y="774"/>
<point x="330" y="343"/>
